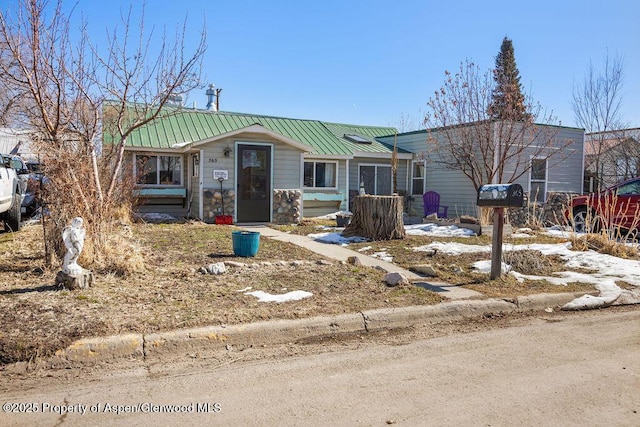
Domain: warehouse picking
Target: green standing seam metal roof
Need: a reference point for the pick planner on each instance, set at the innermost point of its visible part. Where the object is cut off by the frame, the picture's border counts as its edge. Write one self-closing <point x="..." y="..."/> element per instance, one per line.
<point x="196" y="125"/>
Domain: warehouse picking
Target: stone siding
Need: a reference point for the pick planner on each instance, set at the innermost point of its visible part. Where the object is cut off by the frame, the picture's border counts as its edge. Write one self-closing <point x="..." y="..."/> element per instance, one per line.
<point x="213" y="199"/>
<point x="545" y="214"/>
<point x="286" y="205"/>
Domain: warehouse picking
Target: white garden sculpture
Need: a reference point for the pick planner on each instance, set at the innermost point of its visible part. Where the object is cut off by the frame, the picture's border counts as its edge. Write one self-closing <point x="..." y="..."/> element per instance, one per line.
<point x="73" y="237"/>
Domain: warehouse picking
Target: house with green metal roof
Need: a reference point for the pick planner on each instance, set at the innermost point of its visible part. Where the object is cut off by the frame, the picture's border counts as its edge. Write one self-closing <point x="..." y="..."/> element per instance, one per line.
<point x="248" y="168"/>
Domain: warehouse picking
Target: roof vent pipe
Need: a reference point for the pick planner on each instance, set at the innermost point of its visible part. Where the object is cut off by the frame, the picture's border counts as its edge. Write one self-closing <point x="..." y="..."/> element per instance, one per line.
<point x="211" y="94"/>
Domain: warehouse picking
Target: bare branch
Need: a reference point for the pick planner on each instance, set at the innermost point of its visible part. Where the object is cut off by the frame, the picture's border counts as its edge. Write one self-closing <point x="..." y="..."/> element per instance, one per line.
<point x="137" y="86"/>
<point x="597" y="106"/>
<point x="464" y="138"/>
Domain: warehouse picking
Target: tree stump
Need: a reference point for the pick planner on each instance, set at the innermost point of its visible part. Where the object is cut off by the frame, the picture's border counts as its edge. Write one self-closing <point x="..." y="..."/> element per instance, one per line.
<point x="376" y="218"/>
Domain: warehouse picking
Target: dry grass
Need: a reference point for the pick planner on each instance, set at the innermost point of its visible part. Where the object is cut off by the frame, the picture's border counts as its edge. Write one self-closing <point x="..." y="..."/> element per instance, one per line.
<point x="531" y="262"/>
<point x="170" y="293"/>
<point x="601" y="242"/>
<point x="308" y="226"/>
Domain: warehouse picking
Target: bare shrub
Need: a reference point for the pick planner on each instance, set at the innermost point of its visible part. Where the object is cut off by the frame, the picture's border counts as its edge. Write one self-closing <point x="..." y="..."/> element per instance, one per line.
<point x="485" y="215"/>
<point x="528" y="262"/>
<point x="74" y="95"/>
<point x="71" y="192"/>
<point x="534" y="214"/>
<point x="603" y="244"/>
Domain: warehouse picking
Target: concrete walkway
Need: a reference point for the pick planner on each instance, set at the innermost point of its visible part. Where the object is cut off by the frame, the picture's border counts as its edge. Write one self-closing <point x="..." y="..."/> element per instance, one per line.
<point x="341" y="253"/>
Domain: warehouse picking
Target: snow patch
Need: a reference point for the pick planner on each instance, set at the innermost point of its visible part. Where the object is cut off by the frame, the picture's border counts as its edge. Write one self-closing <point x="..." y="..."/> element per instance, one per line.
<point x="521" y="235"/>
<point x="289" y="296"/>
<point x="336" y="238"/>
<point x="384" y="256"/>
<point x="485" y="266"/>
<point x="438" y="230"/>
<point x="452" y="248"/>
<point x="333" y="215"/>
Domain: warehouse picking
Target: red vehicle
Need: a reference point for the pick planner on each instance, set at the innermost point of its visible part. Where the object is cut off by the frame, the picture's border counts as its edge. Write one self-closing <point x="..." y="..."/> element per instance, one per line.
<point x="617" y="207"/>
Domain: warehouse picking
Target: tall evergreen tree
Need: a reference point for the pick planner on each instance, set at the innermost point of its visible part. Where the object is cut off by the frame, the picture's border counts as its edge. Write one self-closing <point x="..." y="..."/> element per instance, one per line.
<point x="507" y="100"/>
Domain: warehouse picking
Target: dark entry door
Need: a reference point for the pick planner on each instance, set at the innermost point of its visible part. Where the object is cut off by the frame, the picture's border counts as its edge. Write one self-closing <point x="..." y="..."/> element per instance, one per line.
<point x="254" y="183"/>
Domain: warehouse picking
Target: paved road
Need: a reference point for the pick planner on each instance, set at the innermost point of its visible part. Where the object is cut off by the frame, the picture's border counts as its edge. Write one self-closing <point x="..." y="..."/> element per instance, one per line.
<point x="553" y="369"/>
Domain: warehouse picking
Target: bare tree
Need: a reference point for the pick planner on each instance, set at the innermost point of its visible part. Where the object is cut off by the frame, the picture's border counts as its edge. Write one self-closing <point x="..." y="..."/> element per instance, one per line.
<point x="611" y="156"/>
<point x="139" y="86"/>
<point x="10" y="97"/>
<point x="623" y="157"/>
<point x="464" y="138"/>
<point x="39" y="64"/>
<point x="408" y="123"/>
<point x="597" y="107"/>
<point x="74" y="94"/>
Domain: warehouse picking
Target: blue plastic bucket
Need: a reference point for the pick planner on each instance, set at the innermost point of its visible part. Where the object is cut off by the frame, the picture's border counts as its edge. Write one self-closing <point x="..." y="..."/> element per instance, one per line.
<point x="245" y="243"/>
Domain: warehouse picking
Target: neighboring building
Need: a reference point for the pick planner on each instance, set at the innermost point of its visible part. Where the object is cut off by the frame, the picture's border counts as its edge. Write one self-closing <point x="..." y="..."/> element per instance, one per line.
<point x="611" y="157"/>
<point x="561" y="172"/>
<point x="16" y="142"/>
<point x="272" y="169"/>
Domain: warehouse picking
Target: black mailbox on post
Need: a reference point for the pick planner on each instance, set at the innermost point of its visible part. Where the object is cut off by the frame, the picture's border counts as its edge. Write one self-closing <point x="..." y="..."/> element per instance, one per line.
<point x="501" y="195"/>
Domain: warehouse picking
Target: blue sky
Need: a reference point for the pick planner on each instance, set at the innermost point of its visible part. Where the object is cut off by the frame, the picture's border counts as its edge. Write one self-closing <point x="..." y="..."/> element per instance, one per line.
<point x="371" y="62"/>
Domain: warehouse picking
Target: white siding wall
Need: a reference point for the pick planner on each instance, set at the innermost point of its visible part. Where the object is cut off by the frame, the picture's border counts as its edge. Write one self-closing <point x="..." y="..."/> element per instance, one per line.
<point x="455" y="189"/>
<point x="402" y="176"/>
<point x="415" y="142"/>
<point x="286" y="167"/>
<point x="213" y="159"/>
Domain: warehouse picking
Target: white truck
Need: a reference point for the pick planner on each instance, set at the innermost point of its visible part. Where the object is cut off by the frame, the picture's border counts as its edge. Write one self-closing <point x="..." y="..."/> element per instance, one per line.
<point x="11" y="194"/>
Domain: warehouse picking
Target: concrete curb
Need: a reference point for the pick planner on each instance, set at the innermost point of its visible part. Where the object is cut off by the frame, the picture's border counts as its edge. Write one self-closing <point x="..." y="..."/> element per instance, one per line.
<point x="99" y="349"/>
<point x="215" y="338"/>
<point x="447" y="311"/>
<point x="252" y="334"/>
<point x="542" y="301"/>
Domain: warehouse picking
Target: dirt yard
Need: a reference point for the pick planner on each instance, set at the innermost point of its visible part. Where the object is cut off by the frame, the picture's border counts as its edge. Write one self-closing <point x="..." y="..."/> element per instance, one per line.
<point x="171" y="292"/>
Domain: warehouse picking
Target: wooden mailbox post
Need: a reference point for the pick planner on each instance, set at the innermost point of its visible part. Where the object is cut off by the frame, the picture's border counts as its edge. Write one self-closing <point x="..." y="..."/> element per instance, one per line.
<point x="498" y="197"/>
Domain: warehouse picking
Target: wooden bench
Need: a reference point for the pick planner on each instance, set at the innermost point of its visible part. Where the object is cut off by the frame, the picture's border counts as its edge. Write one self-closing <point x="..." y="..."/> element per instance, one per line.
<point x="318" y="204"/>
<point x="163" y="196"/>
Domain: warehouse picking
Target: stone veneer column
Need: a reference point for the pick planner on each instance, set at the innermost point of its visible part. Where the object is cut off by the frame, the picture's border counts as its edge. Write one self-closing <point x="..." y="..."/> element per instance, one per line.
<point x="212" y="204"/>
<point x="286" y="206"/>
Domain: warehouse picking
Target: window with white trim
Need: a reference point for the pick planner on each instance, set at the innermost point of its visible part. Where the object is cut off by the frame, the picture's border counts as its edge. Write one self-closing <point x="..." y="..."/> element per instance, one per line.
<point x="158" y="170"/>
<point x="376" y="179"/>
<point x="320" y="174"/>
<point x="418" y="178"/>
<point x="538" y="181"/>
